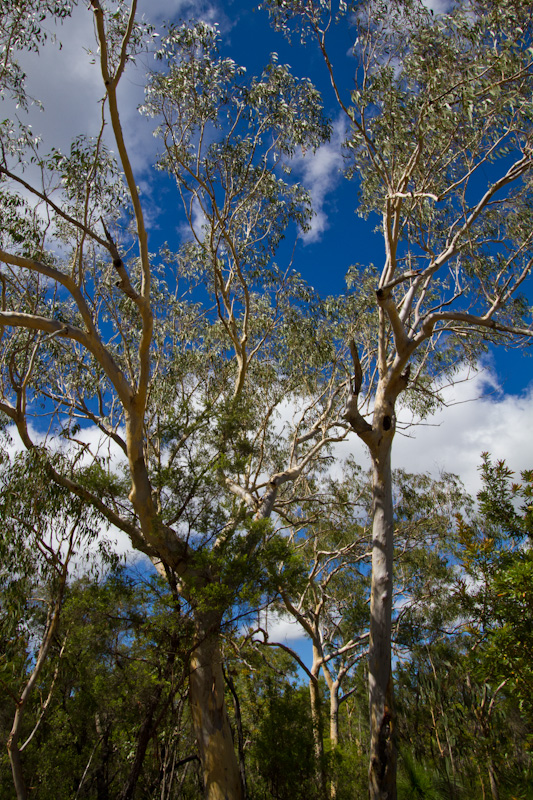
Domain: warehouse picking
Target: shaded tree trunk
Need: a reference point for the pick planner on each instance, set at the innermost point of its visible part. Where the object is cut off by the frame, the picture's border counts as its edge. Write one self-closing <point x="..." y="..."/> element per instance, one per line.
<point x="494" y="790"/>
<point x="103" y="729"/>
<point x="316" y="718"/>
<point x="143" y="737"/>
<point x="240" y="732"/>
<point x="383" y="756"/>
<point x="16" y="768"/>
<point x="222" y="779"/>
<point x="149" y="725"/>
<point x="334" y="704"/>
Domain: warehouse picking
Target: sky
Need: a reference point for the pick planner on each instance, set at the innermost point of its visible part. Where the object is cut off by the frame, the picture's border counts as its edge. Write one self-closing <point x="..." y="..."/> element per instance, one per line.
<point x="491" y="411"/>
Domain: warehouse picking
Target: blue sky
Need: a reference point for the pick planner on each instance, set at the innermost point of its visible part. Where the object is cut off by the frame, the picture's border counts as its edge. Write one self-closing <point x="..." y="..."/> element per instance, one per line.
<point x="70" y="86"/>
<point x="341" y="237"/>
<point x="492" y="411"/>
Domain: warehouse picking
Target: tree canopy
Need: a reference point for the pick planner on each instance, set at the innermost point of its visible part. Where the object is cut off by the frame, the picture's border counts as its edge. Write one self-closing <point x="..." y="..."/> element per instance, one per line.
<point x="193" y="397"/>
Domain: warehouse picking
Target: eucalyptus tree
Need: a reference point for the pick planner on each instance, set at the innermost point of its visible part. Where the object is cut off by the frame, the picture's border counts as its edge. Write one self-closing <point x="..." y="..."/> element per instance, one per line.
<point x="438" y="116"/>
<point x="328" y="599"/>
<point x="179" y="361"/>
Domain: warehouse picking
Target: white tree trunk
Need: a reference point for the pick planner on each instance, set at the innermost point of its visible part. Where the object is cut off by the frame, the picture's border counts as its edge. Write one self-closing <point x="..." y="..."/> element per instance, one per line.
<point x="334" y="731"/>
<point x="382" y="770"/>
<point x="494" y="789"/>
<point x="13" y="738"/>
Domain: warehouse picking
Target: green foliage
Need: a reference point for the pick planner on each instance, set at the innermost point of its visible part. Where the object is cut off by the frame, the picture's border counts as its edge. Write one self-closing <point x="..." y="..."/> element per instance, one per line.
<point x="186" y="366"/>
<point x="282" y="749"/>
<point x="472" y="677"/>
<point x="415" y="782"/>
<point x="20" y="226"/>
<point x="431" y="134"/>
<point x="498" y="552"/>
<point x="122" y="671"/>
<point x="42" y="526"/>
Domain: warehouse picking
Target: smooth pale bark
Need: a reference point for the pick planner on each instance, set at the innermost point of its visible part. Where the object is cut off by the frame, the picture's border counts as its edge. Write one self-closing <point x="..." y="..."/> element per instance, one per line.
<point x="16" y="765"/>
<point x="378" y="437"/>
<point x="483" y="793"/>
<point x="222" y="779"/>
<point x="383" y="757"/>
<point x="334" y="713"/>
<point x="334" y="686"/>
<point x="333" y="728"/>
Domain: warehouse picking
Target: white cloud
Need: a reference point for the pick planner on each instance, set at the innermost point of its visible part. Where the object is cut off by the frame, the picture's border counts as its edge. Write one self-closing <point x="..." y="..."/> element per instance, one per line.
<point x="321" y="171"/>
<point x="65" y="81"/>
<point x="198" y="222"/>
<point x="68" y="82"/>
<point x="160" y="11"/>
<point x="98" y="445"/>
<point x="281" y="627"/>
<point x="478" y="417"/>
<point x="438" y="6"/>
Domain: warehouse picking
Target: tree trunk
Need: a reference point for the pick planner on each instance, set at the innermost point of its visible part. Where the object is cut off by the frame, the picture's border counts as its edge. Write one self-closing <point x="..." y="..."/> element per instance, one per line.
<point x="13" y="738"/>
<point x="240" y="732"/>
<point x="382" y="770"/>
<point x="494" y="790"/>
<point x="143" y="738"/>
<point x="103" y="729"/>
<point x="316" y="718"/>
<point x="222" y="780"/>
<point x="149" y="724"/>
<point x="16" y="766"/>
<point x="334" y="732"/>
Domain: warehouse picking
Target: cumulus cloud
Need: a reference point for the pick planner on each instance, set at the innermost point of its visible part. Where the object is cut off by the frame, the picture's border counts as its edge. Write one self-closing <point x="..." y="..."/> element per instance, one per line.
<point x="438" y="6"/>
<point x="188" y="232"/>
<point x="281" y="627"/>
<point x="477" y="417"/>
<point x="99" y="446"/>
<point x="320" y="172"/>
<point x="160" y="11"/>
<point x="66" y="79"/>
